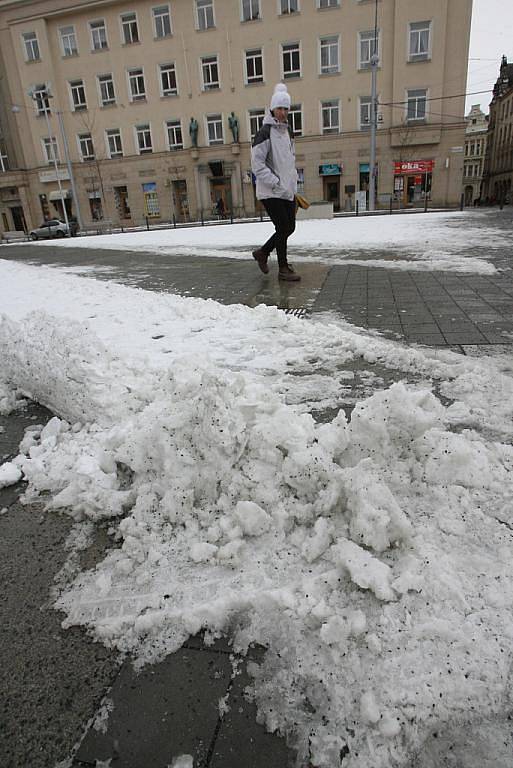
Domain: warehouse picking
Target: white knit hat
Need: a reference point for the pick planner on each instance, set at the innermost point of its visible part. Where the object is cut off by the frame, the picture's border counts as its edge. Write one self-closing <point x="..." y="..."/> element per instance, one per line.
<point x="281" y="97"/>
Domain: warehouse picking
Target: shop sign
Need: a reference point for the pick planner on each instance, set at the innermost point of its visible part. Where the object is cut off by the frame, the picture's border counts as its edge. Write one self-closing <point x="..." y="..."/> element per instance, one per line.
<point x="413" y="166"/>
<point x="151" y="200"/>
<point x="330" y="169"/>
<point x="45" y="177"/>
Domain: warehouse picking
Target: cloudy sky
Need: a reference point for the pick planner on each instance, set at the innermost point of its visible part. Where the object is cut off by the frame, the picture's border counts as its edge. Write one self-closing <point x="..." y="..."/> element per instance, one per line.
<point x="491" y="37"/>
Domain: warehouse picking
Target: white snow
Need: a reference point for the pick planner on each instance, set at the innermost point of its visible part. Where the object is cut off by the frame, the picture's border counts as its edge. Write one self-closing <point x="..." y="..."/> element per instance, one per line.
<point x="413" y="241"/>
<point x="371" y="558"/>
<point x="9" y="474"/>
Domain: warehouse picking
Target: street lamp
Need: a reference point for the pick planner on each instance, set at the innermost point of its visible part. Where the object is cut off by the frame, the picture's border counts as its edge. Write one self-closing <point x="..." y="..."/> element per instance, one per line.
<point x="374" y="61"/>
<point x="45" y="96"/>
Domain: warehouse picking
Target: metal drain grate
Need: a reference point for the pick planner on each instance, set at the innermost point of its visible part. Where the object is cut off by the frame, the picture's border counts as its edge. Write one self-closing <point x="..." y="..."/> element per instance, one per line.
<point x="297" y="311"/>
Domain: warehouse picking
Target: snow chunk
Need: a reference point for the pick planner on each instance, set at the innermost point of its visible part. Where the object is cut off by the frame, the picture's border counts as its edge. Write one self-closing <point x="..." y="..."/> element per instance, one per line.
<point x="364" y="569"/>
<point x="253" y="520"/>
<point x="202" y="552"/>
<point x="183" y="761"/>
<point x="9" y="474"/>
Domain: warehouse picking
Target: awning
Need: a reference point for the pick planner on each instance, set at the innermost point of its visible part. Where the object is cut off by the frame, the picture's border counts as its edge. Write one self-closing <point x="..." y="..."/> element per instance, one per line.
<point x="66" y="193"/>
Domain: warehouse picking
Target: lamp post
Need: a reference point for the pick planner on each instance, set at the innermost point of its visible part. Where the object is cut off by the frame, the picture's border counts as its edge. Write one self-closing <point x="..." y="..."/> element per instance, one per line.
<point x="374" y="61"/>
<point x="45" y="95"/>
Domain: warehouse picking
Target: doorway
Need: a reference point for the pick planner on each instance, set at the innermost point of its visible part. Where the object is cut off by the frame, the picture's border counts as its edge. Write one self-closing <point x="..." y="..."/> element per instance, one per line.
<point x="220" y="190"/>
<point x="18" y="218"/>
<point x="332" y="192"/>
<point x="180" y="200"/>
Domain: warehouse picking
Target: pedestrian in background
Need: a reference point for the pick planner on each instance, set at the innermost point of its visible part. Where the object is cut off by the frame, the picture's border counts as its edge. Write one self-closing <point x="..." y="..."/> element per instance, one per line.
<point x="273" y="161"/>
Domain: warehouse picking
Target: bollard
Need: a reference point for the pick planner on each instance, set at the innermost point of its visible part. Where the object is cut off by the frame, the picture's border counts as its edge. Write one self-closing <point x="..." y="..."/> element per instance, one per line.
<point x="391" y="205"/>
<point x="462" y="202"/>
<point x="425" y="202"/>
<point x="174" y="221"/>
<point x="147" y="223"/>
<point x="202" y="222"/>
<point x="356" y="208"/>
<point x="231" y="216"/>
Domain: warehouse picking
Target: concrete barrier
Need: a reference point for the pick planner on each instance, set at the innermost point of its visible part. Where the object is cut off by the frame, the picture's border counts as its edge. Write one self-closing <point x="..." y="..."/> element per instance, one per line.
<point x="317" y="210"/>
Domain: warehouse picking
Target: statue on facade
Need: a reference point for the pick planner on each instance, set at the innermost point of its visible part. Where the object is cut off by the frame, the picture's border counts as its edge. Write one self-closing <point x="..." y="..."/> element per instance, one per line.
<point x="233" y="122"/>
<point x="193" y="132"/>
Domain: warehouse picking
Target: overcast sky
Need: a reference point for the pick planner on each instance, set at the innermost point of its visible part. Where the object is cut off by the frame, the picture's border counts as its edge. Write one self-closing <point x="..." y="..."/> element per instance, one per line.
<point x="490" y="38"/>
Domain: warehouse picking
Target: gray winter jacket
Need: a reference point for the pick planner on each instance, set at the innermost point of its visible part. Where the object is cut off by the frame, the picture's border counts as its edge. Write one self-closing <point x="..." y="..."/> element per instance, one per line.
<point x="273" y="161"/>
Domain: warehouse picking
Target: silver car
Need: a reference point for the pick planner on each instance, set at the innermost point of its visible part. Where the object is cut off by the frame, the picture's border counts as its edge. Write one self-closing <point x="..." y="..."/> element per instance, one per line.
<point x="53" y="228"/>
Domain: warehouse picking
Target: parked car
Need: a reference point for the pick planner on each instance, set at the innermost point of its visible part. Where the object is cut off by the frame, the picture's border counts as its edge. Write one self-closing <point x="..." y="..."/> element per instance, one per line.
<point x="53" y="228"/>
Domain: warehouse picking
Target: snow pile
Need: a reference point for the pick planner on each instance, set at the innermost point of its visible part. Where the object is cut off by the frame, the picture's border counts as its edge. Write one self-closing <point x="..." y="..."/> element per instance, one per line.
<point x="371" y="558"/>
<point x="9" y="474"/>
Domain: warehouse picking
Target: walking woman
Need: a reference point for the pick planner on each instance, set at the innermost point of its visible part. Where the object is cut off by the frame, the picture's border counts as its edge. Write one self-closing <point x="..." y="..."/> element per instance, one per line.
<point x="273" y="161"/>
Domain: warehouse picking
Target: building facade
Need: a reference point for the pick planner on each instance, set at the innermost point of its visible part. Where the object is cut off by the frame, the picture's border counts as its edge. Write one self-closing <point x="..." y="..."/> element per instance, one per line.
<point x="498" y="171"/>
<point x="476" y="137"/>
<point x="155" y="103"/>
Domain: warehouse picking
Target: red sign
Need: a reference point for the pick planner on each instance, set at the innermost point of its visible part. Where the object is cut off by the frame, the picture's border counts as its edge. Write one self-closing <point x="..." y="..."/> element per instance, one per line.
<point x="413" y="166"/>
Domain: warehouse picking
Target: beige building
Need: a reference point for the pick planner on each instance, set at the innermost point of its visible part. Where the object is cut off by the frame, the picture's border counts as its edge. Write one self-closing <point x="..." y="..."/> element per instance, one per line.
<point x="475" y="151"/>
<point x="498" y="172"/>
<point x="128" y="80"/>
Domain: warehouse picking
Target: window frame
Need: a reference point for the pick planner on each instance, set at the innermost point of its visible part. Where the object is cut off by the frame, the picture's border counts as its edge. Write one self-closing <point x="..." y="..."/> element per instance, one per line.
<point x="127" y="26"/>
<point x="100" y="81"/>
<point x="146" y="127"/>
<point x="423" y="56"/>
<point x="87" y="138"/>
<point x="160" y="16"/>
<point x="45" y="109"/>
<point x="293" y="74"/>
<point x="364" y="101"/>
<point x="110" y="133"/>
<point x="74" y="87"/>
<point x="171" y="65"/>
<point x="4" y="157"/>
<point x="258" y="113"/>
<point x="62" y="37"/>
<point x="331" y="131"/>
<point x="171" y="125"/>
<point x="254" y="81"/>
<point x="208" y="121"/>
<point x="55" y="147"/>
<point x="252" y="16"/>
<point x="31" y="47"/>
<point x="336" y="44"/>
<point x="416" y="120"/>
<point x="295" y="109"/>
<point x="215" y="84"/>
<point x="329" y="5"/>
<point x="365" y="64"/>
<point x="206" y="5"/>
<point x="289" y="12"/>
<point x="95" y="29"/>
<point x="131" y="77"/>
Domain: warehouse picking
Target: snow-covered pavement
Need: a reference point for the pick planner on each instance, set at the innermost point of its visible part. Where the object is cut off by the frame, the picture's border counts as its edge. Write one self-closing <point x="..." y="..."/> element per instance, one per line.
<point x="371" y="558"/>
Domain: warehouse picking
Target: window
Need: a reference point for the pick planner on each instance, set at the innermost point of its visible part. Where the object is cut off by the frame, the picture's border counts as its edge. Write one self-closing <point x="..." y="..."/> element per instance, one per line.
<point x="289" y="6"/>
<point x="250" y="10"/>
<point x="4" y="160"/>
<point x="106" y="89"/>
<point x="329" y="55"/>
<point x="210" y="73"/>
<point x="295" y="118"/>
<point x="254" y="66"/>
<point x="291" y="60"/>
<point x="162" y="21"/>
<point x="40" y="96"/>
<point x="85" y="146"/>
<point x="205" y="13"/>
<point x="98" y="35"/>
<point x="174" y="134"/>
<point x="31" y="46"/>
<point x="78" y="95"/>
<point x="365" y="112"/>
<point x="136" y="84"/>
<point x="367" y="47"/>
<point x="420" y="40"/>
<point x="215" y="129"/>
<point x="330" y="116"/>
<point x="256" y="120"/>
<point x="51" y="149"/>
<point x="68" y="41"/>
<point x="416" y="105"/>
<point x="329" y="3"/>
<point x="168" y="80"/>
<point x="143" y="135"/>
<point x="114" y="145"/>
<point x="129" y="28"/>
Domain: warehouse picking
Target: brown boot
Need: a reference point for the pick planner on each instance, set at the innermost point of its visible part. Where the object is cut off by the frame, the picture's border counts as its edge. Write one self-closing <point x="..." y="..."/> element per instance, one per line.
<point x="287" y="273"/>
<point x="261" y="259"/>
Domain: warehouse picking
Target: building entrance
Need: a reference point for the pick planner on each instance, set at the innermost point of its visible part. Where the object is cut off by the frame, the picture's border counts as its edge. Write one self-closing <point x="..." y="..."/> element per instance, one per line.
<point x="18" y="218"/>
<point x="220" y="190"/>
<point x="181" y="200"/>
<point x="332" y="192"/>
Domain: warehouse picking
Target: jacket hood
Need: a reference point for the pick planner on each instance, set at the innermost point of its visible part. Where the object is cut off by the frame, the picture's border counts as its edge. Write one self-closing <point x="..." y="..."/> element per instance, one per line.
<point x="270" y="120"/>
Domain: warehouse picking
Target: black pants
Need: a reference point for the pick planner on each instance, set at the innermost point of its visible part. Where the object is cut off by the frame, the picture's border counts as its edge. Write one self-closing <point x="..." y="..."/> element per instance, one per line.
<point x="283" y="215"/>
